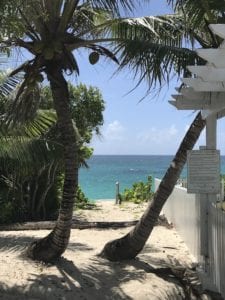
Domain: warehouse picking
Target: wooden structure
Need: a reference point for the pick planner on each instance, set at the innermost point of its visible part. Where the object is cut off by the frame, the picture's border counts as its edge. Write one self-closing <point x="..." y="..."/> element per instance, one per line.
<point x="205" y="91"/>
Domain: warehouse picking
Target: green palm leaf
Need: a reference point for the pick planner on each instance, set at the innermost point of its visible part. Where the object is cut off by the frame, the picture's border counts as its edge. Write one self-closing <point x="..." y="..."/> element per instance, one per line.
<point x="20" y="155"/>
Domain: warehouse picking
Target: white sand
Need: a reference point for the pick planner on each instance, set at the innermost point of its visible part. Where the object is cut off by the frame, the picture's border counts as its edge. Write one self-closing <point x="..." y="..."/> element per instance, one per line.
<point x="80" y="274"/>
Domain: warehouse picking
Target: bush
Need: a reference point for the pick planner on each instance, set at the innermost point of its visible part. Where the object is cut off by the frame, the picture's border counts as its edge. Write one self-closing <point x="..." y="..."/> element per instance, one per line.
<point x="81" y="200"/>
<point x="139" y="192"/>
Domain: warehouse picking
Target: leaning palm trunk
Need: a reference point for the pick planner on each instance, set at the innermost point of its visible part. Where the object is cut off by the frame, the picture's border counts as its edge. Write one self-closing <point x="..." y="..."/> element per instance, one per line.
<point x="52" y="246"/>
<point x="131" y="244"/>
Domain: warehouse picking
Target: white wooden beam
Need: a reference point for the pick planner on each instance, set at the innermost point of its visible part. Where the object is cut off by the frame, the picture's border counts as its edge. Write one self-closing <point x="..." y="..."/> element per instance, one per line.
<point x="195" y="97"/>
<point x="204" y="86"/>
<point x="189" y="92"/>
<point x="215" y="56"/>
<point x="208" y="72"/>
<point x="183" y="103"/>
<point x="219" y="113"/>
<point x="209" y="102"/>
<point x="218" y="29"/>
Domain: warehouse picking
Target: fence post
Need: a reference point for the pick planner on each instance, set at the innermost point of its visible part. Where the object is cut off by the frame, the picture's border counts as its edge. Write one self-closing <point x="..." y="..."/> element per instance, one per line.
<point x="222" y="191"/>
<point x="117" y="192"/>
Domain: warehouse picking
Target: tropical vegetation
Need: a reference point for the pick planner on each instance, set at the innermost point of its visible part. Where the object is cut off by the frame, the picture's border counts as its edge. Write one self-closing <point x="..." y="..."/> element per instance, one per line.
<point x="152" y="47"/>
<point x="53" y="31"/>
<point x="31" y="177"/>
<point x="139" y="192"/>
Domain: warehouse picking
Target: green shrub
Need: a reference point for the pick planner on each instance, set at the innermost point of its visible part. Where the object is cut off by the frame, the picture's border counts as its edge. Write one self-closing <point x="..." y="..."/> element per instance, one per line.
<point x="81" y="200"/>
<point x="139" y="192"/>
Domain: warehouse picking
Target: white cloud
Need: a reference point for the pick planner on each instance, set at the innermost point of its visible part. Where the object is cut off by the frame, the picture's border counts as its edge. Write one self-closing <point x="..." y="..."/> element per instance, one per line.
<point x="158" y="135"/>
<point x="114" y="131"/>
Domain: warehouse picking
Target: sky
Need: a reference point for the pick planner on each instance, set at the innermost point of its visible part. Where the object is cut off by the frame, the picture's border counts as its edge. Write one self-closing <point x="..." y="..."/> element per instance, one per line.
<point x="147" y="127"/>
<point x="131" y="126"/>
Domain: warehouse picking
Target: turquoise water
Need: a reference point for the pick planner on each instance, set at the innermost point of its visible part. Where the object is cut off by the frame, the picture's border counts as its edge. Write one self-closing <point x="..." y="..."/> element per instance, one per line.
<point x="98" y="182"/>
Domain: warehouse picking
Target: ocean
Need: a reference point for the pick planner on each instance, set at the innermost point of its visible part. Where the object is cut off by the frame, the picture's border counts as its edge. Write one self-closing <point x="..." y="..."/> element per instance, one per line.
<point x="99" y="180"/>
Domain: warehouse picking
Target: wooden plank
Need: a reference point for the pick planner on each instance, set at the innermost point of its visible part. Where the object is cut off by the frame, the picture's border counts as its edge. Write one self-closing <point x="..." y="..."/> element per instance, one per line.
<point x="183" y="103"/>
<point x="203" y="171"/>
<point x="208" y="102"/>
<point x="208" y="72"/>
<point x="218" y="29"/>
<point x="204" y="86"/>
<point x="192" y="94"/>
<point x="215" y="56"/>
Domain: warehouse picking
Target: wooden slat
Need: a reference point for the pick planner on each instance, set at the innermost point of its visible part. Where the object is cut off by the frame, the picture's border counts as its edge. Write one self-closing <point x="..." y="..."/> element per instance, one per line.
<point x="215" y="56"/>
<point x="208" y="72"/>
<point x="218" y="29"/>
<point x="204" y="86"/>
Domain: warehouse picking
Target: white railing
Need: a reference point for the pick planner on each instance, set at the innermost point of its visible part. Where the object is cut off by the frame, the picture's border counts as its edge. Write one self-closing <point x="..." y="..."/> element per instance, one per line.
<point x="185" y="211"/>
<point x="216" y="238"/>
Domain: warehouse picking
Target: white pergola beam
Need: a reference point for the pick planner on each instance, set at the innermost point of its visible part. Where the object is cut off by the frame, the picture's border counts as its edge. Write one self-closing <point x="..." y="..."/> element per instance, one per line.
<point x="206" y="91"/>
<point x="209" y="102"/>
<point x="214" y="56"/>
<point x="208" y="72"/>
<point x="204" y="86"/>
<point x="218" y="29"/>
<point x="189" y="92"/>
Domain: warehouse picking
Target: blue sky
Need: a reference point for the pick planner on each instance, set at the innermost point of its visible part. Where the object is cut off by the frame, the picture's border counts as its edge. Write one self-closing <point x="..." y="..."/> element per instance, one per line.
<point x="151" y="126"/>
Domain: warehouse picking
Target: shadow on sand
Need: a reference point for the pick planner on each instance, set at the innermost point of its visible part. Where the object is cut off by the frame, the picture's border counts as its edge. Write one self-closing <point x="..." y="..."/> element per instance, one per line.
<point x="98" y="279"/>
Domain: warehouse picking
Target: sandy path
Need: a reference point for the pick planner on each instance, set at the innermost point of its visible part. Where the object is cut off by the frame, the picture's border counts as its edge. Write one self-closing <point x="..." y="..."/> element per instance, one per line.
<point x="81" y="274"/>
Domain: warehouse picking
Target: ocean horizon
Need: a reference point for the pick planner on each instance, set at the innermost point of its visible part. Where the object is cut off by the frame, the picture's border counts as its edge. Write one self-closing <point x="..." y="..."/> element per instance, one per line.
<point x="99" y="180"/>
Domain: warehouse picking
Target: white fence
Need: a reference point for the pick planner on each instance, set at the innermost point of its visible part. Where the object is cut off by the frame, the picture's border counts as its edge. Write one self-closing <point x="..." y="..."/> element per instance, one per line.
<point x="186" y="212"/>
<point x="217" y="248"/>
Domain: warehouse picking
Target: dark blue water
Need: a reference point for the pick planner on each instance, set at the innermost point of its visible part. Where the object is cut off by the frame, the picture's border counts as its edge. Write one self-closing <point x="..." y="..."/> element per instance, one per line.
<point x="98" y="182"/>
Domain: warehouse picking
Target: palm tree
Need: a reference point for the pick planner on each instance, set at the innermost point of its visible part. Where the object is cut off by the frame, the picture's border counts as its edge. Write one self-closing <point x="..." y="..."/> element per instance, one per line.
<point x="53" y="31"/>
<point x="195" y="16"/>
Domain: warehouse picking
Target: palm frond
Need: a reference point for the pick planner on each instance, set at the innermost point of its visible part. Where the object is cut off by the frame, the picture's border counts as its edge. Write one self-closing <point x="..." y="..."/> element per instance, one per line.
<point x="199" y="14"/>
<point x="67" y="14"/>
<point x="152" y="47"/>
<point x="40" y="126"/>
<point x="154" y="62"/>
<point x="8" y="84"/>
<point x="23" y="105"/>
<point x="21" y="155"/>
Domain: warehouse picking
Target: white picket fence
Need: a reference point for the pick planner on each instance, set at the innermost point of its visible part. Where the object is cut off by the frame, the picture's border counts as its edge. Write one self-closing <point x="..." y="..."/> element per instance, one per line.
<point x="185" y="211"/>
<point x="217" y="248"/>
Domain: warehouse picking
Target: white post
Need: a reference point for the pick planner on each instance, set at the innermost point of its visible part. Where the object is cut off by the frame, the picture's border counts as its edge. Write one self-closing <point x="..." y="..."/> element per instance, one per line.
<point x="222" y="191"/>
<point x="207" y="199"/>
<point x="117" y="192"/>
<point x="211" y="132"/>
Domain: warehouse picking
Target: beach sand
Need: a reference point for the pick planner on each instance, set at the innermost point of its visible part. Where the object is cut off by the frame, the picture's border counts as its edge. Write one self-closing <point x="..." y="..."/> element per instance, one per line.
<point x="81" y="274"/>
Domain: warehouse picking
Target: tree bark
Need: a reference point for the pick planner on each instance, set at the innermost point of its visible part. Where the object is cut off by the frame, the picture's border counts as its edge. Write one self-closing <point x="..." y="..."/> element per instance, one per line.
<point x="52" y="246"/>
<point x="131" y="244"/>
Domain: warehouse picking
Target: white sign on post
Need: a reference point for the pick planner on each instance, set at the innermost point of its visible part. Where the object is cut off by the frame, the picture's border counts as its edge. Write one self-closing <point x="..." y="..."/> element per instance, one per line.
<point x="203" y="171"/>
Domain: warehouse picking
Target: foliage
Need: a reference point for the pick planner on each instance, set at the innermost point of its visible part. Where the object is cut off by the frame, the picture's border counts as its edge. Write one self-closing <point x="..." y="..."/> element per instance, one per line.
<point x="31" y="156"/>
<point x="139" y="192"/>
<point x="87" y="106"/>
<point x="82" y="202"/>
<point x="10" y="26"/>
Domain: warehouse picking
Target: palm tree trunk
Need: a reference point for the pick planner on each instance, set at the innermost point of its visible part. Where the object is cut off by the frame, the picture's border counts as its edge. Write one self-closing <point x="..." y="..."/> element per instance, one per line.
<point x="52" y="246"/>
<point x="131" y="244"/>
